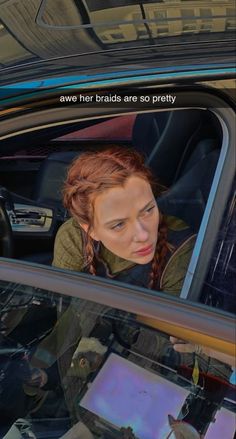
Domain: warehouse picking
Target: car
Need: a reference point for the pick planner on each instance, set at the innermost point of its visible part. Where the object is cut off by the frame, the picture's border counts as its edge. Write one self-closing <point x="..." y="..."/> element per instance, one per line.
<point x="158" y="77"/>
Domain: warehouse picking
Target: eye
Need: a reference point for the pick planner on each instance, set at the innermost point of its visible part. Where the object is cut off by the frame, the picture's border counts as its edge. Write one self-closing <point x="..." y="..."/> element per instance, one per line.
<point x="149" y="209"/>
<point x="117" y="226"/>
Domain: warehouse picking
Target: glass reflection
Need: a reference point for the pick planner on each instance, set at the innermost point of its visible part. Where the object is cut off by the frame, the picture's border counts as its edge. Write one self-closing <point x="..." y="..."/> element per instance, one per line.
<point x="72" y="368"/>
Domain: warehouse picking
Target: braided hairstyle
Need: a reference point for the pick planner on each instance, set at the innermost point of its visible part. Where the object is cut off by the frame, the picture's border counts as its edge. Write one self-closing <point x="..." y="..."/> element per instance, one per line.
<point x="92" y="173"/>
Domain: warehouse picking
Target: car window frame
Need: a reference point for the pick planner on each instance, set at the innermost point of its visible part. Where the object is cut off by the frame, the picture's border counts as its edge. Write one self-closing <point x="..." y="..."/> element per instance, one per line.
<point x="188" y="320"/>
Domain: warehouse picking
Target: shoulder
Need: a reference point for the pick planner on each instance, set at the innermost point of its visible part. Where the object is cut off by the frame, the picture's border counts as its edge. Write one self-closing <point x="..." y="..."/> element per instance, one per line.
<point x="69" y="229"/>
<point x="68" y="247"/>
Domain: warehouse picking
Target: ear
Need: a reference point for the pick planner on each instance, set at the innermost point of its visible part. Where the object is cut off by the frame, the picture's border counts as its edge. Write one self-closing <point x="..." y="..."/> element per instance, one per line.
<point x="91" y="233"/>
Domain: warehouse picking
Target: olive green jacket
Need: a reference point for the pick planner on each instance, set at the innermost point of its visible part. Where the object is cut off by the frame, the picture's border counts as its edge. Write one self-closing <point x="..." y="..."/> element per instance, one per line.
<point x="68" y="254"/>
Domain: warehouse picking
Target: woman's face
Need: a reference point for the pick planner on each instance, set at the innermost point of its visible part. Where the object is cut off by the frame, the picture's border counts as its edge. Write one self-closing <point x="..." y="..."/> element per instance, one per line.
<point x="126" y="220"/>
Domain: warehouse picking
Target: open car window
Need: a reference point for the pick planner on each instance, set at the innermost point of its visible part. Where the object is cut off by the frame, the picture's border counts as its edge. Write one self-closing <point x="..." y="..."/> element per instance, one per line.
<point x="198" y="151"/>
<point x="34" y="169"/>
<point x="70" y="365"/>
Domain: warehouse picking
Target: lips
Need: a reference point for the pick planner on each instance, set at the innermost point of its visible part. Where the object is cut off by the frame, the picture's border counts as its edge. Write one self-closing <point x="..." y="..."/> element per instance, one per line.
<point x="145" y="250"/>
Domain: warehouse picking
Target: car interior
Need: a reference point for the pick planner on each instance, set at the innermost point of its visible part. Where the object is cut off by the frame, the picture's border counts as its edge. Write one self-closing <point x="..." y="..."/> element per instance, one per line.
<point x="181" y="148"/>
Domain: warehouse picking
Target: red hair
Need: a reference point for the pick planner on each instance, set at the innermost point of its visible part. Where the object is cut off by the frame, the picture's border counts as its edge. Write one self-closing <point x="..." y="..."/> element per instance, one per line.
<point x="96" y="171"/>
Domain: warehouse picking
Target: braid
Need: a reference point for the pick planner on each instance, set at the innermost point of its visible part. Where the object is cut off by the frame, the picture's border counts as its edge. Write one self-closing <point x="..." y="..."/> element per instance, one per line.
<point x="159" y="259"/>
<point x="89" y="253"/>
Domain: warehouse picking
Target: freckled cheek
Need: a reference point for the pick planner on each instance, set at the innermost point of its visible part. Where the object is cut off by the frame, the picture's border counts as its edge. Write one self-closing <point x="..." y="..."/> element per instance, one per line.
<point x="122" y="241"/>
<point x="112" y="238"/>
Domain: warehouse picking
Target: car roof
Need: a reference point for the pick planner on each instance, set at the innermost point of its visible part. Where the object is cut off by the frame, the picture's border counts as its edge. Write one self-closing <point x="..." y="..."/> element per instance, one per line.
<point x="88" y="36"/>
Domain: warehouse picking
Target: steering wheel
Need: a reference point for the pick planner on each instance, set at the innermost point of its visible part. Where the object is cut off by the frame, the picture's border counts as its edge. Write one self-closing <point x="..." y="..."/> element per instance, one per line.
<point x="6" y="236"/>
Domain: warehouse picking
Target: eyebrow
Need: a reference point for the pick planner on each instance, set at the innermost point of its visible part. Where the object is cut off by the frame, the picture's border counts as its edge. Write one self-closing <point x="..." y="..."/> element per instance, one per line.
<point x="115" y="220"/>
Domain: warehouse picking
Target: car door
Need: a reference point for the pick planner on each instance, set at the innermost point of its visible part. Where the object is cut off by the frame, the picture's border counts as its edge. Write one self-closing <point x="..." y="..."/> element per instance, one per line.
<point x="62" y="333"/>
<point x="87" y="357"/>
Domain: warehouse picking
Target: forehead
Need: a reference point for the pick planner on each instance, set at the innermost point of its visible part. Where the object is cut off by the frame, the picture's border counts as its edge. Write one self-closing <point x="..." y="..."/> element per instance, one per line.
<point x="122" y="201"/>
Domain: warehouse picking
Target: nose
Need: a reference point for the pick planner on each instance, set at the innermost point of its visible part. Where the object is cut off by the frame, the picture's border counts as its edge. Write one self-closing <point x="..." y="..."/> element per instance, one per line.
<point x="140" y="232"/>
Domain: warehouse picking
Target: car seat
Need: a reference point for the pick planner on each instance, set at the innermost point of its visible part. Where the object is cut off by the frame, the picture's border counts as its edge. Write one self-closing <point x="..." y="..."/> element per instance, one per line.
<point x="51" y="176"/>
<point x="187" y="198"/>
<point x="154" y="135"/>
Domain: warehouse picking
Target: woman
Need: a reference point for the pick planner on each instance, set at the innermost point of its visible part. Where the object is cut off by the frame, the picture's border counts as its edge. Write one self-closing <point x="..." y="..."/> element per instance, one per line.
<point x="116" y="228"/>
